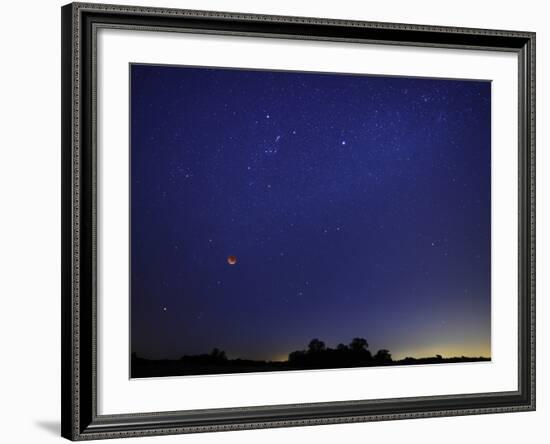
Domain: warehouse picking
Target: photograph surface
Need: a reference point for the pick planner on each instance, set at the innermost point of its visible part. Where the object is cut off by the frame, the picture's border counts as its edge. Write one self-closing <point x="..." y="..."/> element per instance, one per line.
<point x="287" y="220"/>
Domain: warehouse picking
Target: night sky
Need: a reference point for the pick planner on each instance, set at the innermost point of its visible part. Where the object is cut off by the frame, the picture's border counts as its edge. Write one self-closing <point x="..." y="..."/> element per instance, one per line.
<point x="355" y="205"/>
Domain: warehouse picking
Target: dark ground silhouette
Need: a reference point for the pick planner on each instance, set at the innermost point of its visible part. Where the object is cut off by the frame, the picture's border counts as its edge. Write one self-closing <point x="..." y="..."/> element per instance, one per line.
<point x="316" y="356"/>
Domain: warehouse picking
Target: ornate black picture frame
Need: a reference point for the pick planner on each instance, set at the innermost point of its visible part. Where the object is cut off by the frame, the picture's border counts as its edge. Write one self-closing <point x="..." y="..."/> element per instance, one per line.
<point x="80" y="419"/>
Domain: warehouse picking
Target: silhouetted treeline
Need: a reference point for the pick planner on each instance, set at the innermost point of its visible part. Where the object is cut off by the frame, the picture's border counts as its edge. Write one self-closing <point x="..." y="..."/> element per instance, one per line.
<point x="316" y="356"/>
<point x="356" y="354"/>
<point x="216" y="356"/>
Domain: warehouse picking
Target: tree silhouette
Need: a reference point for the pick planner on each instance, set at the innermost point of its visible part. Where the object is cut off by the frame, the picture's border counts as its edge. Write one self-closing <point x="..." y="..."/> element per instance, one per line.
<point x="342" y="348"/>
<point x="358" y="345"/>
<point x="218" y="355"/>
<point x="383" y="356"/>
<point x="296" y="356"/>
<point x="316" y="346"/>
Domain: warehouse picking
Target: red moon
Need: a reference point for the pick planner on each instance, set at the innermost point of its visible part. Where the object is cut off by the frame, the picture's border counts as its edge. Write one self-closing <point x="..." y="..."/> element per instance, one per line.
<point x="231" y="260"/>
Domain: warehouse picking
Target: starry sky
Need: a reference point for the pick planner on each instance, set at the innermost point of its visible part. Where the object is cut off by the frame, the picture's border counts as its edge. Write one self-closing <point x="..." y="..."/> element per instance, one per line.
<point x="355" y="206"/>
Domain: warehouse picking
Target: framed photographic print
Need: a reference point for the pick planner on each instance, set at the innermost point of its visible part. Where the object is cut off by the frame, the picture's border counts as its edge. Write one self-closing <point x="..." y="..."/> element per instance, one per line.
<point x="279" y="221"/>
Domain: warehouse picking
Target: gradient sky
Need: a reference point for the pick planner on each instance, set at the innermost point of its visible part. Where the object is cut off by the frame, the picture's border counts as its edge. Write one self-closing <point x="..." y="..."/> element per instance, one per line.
<point x="356" y="206"/>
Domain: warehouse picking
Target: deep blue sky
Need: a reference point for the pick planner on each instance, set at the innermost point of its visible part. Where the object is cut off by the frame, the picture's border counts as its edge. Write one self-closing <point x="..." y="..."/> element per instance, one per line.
<point x="355" y="205"/>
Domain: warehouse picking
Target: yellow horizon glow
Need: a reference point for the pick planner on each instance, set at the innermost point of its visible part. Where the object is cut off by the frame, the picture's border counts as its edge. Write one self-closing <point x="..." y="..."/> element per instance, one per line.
<point x="427" y="351"/>
<point x="446" y="351"/>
